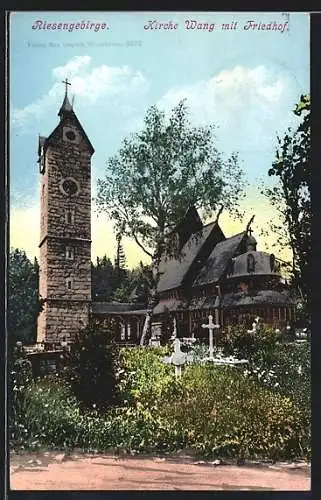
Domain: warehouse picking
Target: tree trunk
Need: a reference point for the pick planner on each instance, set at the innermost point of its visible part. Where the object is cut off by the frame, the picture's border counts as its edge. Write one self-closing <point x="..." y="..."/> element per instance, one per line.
<point x="147" y="327"/>
<point x="148" y="317"/>
<point x="153" y="299"/>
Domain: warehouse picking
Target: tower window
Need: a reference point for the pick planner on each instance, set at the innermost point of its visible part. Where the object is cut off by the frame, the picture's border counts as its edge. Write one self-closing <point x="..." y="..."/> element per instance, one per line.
<point x="250" y="264"/>
<point x="69" y="217"/>
<point x="69" y="253"/>
<point x="69" y="283"/>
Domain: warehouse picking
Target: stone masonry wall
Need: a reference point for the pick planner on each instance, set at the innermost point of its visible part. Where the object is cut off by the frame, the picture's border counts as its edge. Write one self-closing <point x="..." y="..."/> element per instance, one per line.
<point x="65" y="240"/>
<point x="65" y="319"/>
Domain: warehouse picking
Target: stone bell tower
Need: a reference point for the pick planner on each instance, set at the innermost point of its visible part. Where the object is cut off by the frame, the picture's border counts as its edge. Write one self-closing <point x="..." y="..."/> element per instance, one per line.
<point x="65" y="228"/>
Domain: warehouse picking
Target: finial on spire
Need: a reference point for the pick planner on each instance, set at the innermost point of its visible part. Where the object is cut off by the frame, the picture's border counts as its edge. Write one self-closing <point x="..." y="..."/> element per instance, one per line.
<point x="66" y="83"/>
<point x="66" y="106"/>
<point x="249" y="224"/>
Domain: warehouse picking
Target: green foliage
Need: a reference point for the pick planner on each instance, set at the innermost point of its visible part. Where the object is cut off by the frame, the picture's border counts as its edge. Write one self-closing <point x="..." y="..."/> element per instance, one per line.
<point x="91" y="366"/>
<point x="291" y="196"/>
<point x="221" y="412"/>
<point x="19" y="383"/>
<point x="282" y="367"/>
<point x="161" y="171"/>
<point x="143" y="375"/>
<point x="291" y="368"/>
<point x="215" y="411"/>
<point x="140" y="281"/>
<point x="157" y="175"/>
<point x="23" y="299"/>
<point x="113" y="282"/>
<point x="253" y="346"/>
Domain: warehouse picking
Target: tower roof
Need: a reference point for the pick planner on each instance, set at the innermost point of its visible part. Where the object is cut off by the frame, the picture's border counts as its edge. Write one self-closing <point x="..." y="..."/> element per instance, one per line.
<point x="67" y="114"/>
<point x="66" y="107"/>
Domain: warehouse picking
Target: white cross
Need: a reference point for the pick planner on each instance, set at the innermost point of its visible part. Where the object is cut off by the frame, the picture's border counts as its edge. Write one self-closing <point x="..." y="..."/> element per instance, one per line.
<point x="211" y="327"/>
<point x="175" y="328"/>
<point x="174" y="332"/>
<point x="180" y="357"/>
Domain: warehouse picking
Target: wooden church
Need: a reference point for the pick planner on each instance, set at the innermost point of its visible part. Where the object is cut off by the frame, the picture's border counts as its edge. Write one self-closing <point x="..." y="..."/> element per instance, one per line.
<point x="225" y="277"/>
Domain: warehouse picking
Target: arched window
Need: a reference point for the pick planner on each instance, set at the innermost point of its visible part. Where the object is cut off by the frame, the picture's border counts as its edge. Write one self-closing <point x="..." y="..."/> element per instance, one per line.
<point x="250" y="264"/>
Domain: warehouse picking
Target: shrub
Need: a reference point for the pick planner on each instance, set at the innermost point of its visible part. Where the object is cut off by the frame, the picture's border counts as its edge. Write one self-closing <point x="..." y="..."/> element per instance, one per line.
<point x="217" y="411"/>
<point x="91" y="367"/>
<point x="250" y="345"/>
<point x="143" y="375"/>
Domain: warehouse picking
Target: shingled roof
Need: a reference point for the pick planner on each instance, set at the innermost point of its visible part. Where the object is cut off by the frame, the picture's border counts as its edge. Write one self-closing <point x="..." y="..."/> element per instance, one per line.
<point x="115" y="307"/>
<point x="170" y="306"/>
<point x="173" y="270"/>
<point x="265" y="297"/>
<point x="218" y="260"/>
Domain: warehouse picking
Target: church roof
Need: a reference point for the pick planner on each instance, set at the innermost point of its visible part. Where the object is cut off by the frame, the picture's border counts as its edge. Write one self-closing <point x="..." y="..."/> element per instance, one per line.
<point x="174" y="270"/>
<point x="265" y="297"/>
<point x="169" y="305"/>
<point x="218" y="260"/>
<point x="116" y="307"/>
<point x="190" y="223"/>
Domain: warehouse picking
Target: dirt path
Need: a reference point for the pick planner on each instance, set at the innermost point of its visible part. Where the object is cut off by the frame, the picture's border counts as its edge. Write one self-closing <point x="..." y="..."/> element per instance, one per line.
<point x="56" y="471"/>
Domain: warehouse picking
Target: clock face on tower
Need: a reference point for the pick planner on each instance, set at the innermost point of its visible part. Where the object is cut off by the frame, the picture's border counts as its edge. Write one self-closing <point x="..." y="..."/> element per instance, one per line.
<point x="69" y="186"/>
<point x="71" y="135"/>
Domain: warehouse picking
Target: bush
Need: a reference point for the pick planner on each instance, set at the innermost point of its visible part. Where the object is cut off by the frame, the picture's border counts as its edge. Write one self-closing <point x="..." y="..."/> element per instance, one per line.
<point x="20" y="384"/>
<point x="143" y="376"/>
<point x="250" y="345"/>
<point x="216" y="411"/>
<point x="91" y="367"/>
<point x="219" y="411"/>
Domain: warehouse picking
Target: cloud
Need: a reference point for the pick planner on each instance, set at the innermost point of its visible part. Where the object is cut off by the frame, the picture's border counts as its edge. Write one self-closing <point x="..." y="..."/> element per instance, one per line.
<point x="72" y="67"/>
<point x="249" y="105"/>
<point x="86" y="82"/>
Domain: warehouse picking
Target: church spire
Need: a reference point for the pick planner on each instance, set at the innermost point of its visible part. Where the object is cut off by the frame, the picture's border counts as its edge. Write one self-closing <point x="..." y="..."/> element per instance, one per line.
<point x="66" y="107"/>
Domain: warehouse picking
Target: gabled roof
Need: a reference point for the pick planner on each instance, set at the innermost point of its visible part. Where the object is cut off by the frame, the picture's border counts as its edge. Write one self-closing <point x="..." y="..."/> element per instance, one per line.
<point x="190" y="223"/>
<point x="70" y="115"/>
<point x="174" y="270"/>
<point x="218" y="260"/>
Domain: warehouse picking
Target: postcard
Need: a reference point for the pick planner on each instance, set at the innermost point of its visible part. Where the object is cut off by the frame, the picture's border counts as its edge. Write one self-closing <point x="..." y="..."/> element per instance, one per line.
<point x="159" y="293"/>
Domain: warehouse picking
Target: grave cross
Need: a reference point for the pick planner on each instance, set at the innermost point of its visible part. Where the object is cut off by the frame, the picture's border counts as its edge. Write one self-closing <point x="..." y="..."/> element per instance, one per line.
<point x="211" y="327"/>
<point x="174" y="334"/>
<point x="178" y="358"/>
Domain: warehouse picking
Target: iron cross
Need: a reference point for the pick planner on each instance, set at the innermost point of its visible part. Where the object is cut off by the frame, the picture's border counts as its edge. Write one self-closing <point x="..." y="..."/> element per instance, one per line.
<point x="66" y="83"/>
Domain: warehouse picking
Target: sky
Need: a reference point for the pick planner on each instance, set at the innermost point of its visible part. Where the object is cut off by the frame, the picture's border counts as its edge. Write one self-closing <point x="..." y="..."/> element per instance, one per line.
<point x="245" y="81"/>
